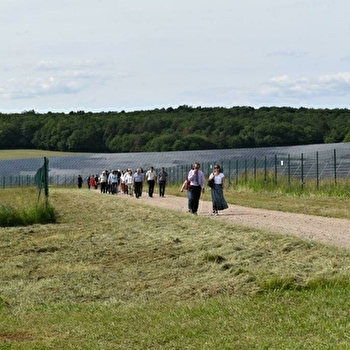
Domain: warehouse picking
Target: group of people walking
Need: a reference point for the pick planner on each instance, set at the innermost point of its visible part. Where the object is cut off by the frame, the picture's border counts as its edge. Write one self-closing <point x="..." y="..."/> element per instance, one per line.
<point x="195" y="185"/>
<point x="127" y="182"/>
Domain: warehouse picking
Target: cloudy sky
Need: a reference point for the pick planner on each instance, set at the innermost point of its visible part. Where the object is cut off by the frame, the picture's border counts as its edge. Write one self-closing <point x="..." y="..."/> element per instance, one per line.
<point x="101" y="55"/>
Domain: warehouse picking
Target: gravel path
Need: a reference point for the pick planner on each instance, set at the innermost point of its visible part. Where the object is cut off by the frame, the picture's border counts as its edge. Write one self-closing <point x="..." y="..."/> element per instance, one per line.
<point x="326" y="230"/>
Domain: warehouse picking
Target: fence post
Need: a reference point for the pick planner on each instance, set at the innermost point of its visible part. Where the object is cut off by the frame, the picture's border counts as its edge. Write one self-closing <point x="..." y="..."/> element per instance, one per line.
<point x="236" y="171"/>
<point x="317" y="175"/>
<point x="289" y="170"/>
<point x="302" y="171"/>
<point x="254" y="169"/>
<point x="229" y="172"/>
<point x="46" y="178"/>
<point x="335" y="167"/>
<point x="275" y="169"/>
<point x="265" y="170"/>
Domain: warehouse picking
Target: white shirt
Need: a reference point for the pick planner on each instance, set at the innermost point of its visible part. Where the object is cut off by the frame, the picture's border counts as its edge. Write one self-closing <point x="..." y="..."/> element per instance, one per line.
<point x="151" y="175"/>
<point x="218" y="178"/>
<point x="128" y="178"/>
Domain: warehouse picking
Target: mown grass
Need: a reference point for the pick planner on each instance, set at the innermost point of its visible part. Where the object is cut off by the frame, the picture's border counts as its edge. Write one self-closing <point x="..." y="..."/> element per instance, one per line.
<point x="117" y="274"/>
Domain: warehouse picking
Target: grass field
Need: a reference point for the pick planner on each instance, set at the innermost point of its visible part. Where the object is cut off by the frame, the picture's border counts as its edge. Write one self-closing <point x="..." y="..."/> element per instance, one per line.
<point x="117" y="274"/>
<point x="31" y="153"/>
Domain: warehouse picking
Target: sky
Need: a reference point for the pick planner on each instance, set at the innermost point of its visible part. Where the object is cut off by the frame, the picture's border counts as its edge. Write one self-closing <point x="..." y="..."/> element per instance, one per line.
<point x="112" y="55"/>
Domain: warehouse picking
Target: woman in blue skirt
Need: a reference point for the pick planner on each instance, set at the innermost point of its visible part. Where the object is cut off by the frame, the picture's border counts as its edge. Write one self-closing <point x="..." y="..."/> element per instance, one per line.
<point x="217" y="193"/>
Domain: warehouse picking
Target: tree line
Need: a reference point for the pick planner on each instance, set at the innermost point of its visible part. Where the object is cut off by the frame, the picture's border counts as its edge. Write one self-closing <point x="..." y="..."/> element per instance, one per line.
<point x="173" y="129"/>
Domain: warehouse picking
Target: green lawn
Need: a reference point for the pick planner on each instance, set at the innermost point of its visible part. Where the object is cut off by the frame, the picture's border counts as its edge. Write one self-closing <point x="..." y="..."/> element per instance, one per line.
<point x="114" y="273"/>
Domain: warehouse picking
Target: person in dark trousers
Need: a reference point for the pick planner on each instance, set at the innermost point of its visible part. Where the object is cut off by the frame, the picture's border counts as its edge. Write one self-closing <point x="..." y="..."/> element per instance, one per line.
<point x="197" y="182"/>
<point x="103" y="182"/>
<point x="88" y="181"/>
<point x="138" y="181"/>
<point x="80" y="181"/>
<point x="151" y="179"/>
<point x="162" y="179"/>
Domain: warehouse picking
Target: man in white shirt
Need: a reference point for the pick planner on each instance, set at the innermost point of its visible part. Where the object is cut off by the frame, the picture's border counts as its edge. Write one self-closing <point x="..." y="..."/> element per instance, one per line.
<point x="197" y="183"/>
<point x="151" y="179"/>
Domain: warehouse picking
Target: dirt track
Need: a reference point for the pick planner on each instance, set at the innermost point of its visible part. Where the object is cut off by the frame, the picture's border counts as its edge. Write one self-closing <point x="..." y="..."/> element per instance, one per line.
<point x="326" y="230"/>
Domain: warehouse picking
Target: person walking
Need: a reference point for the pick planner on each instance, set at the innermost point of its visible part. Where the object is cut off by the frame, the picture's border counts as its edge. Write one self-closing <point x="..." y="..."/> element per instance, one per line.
<point x="217" y="193"/>
<point x="162" y="179"/>
<point x="151" y="180"/>
<point x="197" y="179"/>
<point x="80" y="181"/>
<point x="103" y="182"/>
<point x="88" y="181"/>
<point x="122" y="182"/>
<point x="138" y="181"/>
<point x="112" y="182"/>
<point x="92" y="181"/>
<point x="128" y="182"/>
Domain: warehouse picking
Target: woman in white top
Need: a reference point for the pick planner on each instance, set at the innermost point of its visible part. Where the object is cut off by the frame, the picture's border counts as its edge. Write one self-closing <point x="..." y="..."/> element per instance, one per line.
<point x="128" y="182"/>
<point x="217" y="193"/>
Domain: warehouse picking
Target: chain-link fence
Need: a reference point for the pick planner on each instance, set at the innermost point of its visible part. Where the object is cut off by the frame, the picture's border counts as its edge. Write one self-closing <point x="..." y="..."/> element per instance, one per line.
<point x="316" y="162"/>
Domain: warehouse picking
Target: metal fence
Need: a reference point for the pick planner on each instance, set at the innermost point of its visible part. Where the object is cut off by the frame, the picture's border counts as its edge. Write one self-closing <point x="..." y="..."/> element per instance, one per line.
<point x="330" y="165"/>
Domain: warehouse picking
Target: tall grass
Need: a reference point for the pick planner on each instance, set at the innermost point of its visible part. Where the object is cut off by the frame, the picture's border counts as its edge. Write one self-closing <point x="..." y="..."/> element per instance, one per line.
<point x="270" y="182"/>
<point x="22" y="207"/>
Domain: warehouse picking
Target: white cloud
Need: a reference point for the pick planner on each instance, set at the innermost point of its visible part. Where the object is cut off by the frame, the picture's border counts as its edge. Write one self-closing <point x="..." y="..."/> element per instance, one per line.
<point x="31" y="87"/>
<point x="324" y="85"/>
<point x="48" y="65"/>
<point x="51" y="78"/>
<point x="287" y="54"/>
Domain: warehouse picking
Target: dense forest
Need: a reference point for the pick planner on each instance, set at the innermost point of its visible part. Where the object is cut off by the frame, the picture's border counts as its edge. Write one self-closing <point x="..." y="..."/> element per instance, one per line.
<point x="173" y="129"/>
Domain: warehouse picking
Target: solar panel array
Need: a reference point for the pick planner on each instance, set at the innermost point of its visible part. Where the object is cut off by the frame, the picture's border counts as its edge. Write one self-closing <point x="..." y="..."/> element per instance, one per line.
<point x="318" y="160"/>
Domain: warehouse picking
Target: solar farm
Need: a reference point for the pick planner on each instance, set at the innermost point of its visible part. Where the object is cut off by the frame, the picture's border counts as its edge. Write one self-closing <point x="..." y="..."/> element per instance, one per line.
<point x="311" y="161"/>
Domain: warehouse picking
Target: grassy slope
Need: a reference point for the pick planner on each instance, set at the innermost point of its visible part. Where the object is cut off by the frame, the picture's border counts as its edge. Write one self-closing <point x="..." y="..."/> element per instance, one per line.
<point x="30" y="153"/>
<point x="114" y="274"/>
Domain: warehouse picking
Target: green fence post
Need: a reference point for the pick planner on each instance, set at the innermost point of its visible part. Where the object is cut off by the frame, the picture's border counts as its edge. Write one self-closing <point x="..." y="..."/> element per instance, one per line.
<point x="317" y="171"/>
<point x="302" y="171"/>
<point x="289" y="170"/>
<point x="335" y="167"/>
<point x="275" y="180"/>
<point x="46" y="178"/>
<point x="229" y="172"/>
<point x="254" y="169"/>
